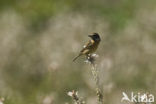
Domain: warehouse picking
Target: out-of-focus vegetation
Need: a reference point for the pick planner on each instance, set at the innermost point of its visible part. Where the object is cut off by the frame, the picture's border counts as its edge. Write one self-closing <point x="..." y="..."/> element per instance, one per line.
<point x="39" y="39"/>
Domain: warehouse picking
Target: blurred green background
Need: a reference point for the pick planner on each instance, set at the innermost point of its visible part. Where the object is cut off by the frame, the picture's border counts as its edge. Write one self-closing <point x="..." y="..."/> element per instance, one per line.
<point x="40" y="38"/>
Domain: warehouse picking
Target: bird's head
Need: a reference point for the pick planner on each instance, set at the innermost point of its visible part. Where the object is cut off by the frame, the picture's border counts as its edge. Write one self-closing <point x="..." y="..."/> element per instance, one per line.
<point x="95" y="37"/>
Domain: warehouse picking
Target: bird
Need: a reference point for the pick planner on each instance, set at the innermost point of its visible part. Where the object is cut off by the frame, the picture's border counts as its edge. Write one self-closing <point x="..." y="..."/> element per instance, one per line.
<point x="91" y="45"/>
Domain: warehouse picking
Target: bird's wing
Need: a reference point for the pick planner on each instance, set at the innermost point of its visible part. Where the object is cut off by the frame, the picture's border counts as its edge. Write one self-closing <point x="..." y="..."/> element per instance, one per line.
<point x="88" y="44"/>
<point x="86" y="47"/>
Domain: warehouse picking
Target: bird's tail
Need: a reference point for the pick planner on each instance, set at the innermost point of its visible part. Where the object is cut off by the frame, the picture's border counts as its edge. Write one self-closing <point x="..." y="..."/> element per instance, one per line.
<point x="76" y="57"/>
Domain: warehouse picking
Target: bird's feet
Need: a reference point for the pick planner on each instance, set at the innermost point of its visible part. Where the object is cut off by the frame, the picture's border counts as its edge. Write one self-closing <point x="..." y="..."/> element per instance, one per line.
<point x="90" y="58"/>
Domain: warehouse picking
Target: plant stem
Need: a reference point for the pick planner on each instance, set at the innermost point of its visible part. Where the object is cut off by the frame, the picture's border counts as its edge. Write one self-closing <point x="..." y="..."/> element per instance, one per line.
<point x="96" y="78"/>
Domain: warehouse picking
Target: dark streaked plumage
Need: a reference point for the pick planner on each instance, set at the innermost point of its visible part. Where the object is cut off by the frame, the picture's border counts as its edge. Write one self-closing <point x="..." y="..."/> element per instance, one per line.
<point x="91" y="46"/>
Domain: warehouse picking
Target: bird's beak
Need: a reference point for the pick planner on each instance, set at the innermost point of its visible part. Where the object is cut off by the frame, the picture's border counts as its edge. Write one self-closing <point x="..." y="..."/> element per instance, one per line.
<point x="89" y="35"/>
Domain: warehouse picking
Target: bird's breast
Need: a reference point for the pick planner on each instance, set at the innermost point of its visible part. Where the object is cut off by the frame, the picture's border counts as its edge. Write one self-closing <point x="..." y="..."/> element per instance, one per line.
<point x="94" y="47"/>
